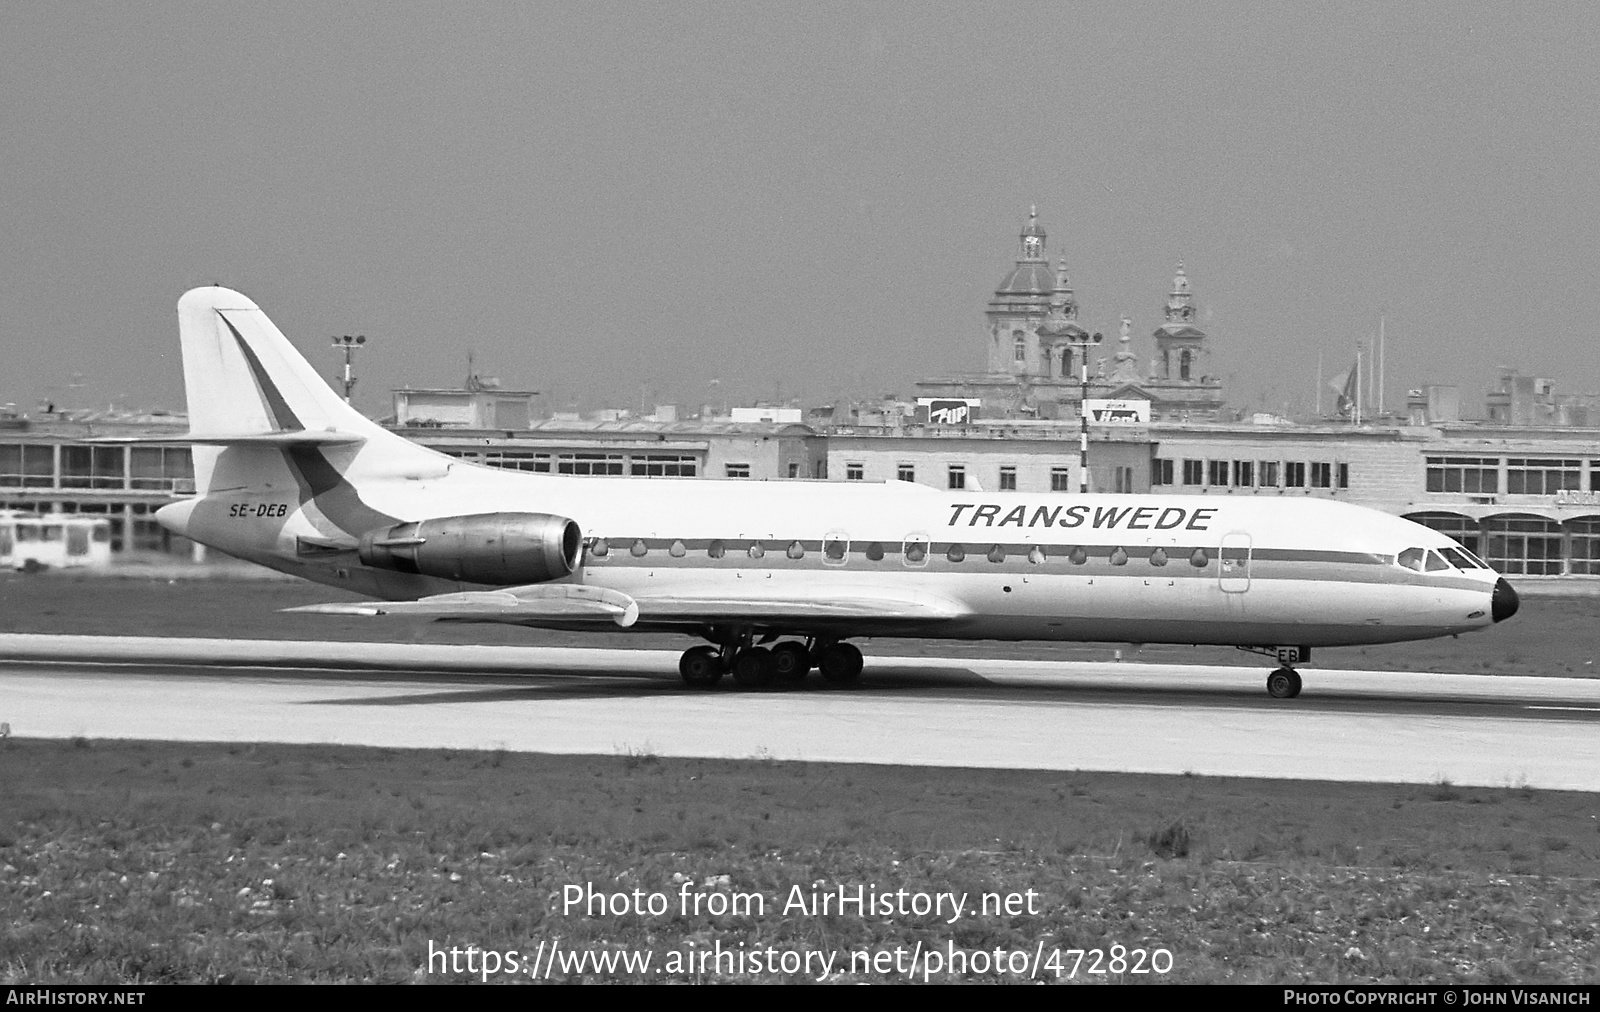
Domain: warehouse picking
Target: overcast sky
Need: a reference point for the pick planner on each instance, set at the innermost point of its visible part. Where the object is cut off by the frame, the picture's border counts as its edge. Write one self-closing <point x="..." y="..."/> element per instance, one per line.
<point x="616" y="202"/>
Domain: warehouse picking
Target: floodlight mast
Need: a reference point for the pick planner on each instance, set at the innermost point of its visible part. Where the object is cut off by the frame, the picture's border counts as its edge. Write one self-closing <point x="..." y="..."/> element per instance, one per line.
<point x="1088" y="341"/>
<point x="350" y="345"/>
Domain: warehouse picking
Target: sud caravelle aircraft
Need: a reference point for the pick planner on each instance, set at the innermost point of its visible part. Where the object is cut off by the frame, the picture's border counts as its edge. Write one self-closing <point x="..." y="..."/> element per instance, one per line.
<point x="291" y="477"/>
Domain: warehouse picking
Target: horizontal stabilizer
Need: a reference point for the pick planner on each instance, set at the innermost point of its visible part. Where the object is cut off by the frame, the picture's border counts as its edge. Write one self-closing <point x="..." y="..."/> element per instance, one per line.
<point x="544" y="601"/>
<point x="289" y="437"/>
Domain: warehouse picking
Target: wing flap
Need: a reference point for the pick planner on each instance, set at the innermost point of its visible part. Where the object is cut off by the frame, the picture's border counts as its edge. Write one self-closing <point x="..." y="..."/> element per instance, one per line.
<point x="555" y="601"/>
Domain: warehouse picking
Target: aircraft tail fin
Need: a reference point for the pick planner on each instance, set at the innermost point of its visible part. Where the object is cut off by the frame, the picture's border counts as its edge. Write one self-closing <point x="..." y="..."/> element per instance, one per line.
<point x="247" y="385"/>
<point x="243" y="376"/>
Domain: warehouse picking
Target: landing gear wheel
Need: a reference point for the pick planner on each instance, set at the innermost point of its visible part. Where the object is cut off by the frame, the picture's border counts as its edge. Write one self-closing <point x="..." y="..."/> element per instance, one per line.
<point x="791" y="662"/>
<point x="840" y="663"/>
<point x="1283" y="683"/>
<point x="700" y="667"/>
<point x="753" y="668"/>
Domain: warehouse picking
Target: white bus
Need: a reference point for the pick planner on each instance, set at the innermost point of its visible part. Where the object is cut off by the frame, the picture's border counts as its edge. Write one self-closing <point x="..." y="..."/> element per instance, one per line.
<point x="30" y="541"/>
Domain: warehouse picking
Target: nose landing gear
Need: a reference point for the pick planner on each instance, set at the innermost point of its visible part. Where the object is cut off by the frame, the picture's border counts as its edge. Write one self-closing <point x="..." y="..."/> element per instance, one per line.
<point x="1283" y="683"/>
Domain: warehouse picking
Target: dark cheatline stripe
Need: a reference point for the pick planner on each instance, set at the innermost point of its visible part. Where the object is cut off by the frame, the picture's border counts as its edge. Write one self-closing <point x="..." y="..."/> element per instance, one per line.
<point x="283" y="417"/>
<point x="336" y="498"/>
<point x="1265" y="565"/>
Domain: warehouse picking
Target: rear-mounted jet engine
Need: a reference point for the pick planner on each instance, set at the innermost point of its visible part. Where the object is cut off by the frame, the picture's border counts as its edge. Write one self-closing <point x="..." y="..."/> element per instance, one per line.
<point x="501" y="549"/>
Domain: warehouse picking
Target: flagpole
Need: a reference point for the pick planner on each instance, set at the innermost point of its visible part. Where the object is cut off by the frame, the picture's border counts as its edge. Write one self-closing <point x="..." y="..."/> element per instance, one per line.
<point x="1357" y="416"/>
<point x="1380" y="363"/>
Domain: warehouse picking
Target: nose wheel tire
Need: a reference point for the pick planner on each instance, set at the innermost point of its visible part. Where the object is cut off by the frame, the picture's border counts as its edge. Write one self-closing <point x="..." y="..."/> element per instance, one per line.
<point x="1283" y="683"/>
<point x="840" y="663"/>
<point x="791" y="662"/>
<point x="754" y="668"/>
<point x="700" y="667"/>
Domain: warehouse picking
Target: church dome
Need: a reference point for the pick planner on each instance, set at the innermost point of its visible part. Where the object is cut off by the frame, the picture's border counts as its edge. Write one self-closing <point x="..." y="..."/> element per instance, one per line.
<point x="1032" y="274"/>
<point x="1028" y="278"/>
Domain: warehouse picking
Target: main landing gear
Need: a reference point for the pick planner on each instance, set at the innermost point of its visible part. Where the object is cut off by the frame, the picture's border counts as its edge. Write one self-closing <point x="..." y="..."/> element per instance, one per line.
<point x="757" y="667"/>
<point x="1283" y="683"/>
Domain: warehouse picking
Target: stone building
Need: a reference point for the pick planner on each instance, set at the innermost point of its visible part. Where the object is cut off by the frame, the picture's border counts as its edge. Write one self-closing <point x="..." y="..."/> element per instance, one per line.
<point x="1036" y="347"/>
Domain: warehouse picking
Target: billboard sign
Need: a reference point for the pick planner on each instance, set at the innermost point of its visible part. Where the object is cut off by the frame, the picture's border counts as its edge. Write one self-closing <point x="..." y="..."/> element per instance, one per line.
<point x="1106" y="412"/>
<point x="949" y="410"/>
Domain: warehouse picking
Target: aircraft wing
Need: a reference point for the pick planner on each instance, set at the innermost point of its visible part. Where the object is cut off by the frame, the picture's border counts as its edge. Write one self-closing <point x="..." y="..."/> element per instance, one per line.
<point x="889" y="605"/>
<point x="569" y="600"/>
<point x="552" y="601"/>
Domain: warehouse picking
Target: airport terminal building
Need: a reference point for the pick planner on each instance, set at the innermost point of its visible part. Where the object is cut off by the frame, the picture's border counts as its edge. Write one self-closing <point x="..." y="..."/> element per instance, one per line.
<point x="1521" y="489"/>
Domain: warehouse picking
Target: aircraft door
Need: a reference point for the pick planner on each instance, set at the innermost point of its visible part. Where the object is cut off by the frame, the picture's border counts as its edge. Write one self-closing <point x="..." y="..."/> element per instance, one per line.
<point x="1234" y="572"/>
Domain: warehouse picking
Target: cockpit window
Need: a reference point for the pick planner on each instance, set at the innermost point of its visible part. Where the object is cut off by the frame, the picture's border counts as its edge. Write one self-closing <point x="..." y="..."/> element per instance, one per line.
<point x="1435" y="563"/>
<point x="1411" y="558"/>
<point x="1458" y="559"/>
<point x="1476" y="561"/>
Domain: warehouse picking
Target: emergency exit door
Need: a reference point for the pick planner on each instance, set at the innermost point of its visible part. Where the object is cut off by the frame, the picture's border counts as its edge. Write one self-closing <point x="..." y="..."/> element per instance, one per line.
<point x="1234" y="574"/>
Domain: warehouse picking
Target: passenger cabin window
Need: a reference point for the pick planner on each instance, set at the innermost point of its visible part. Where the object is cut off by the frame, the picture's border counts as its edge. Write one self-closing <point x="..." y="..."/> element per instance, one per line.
<point x="835" y="548"/>
<point x="915" y="551"/>
<point x="956" y="553"/>
<point x="875" y="552"/>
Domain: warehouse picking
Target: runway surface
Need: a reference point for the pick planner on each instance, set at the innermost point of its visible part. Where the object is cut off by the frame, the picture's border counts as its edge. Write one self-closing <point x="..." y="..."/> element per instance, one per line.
<point x="1213" y="721"/>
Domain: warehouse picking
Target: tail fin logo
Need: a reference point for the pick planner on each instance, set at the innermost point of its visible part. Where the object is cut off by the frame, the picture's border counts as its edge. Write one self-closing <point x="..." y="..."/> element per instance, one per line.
<point x="283" y="417"/>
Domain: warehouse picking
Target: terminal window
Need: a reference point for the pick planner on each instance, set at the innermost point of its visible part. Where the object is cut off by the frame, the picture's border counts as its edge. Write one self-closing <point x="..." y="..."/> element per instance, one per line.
<point x="1161" y="471"/>
<point x="1217" y="472"/>
<point x="1538" y="476"/>
<point x="1585" y="537"/>
<point x="92" y="467"/>
<point x="1267" y="474"/>
<point x="1321" y="474"/>
<point x="1530" y="545"/>
<point x="906" y="472"/>
<point x="663" y="465"/>
<point x="1463" y="529"/>
<point x="738" y="470"/>
<point x="958" y="476"/>
<point x="1008" y="479"/>
<point x="1244" y="473"/>
<point x="589" y="463"/>
<point x="522" y="460"/>
<point x="1477" y="475"/>
<point x="24" y="466"/>
<point x="855" y="472"/>
<point x="1344" y="475"/>
<point x="1061" y="479"/>
<point x="159" y="467"/>
<point x="1194" y="472"/>
<point x="1294" y="474"/>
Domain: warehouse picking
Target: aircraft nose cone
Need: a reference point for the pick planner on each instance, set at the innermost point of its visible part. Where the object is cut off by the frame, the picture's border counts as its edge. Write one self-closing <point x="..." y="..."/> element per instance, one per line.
<point x="1504" y="603"/>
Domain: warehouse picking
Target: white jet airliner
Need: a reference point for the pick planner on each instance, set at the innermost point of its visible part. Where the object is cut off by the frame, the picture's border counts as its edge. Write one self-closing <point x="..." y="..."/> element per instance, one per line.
<point x="291" y="477"/>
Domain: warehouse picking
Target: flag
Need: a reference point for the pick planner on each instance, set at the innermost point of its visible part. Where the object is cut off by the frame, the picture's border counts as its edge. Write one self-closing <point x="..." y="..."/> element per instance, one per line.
<point x="1345" y="385"/>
